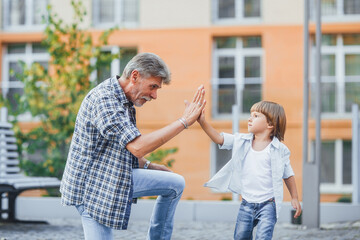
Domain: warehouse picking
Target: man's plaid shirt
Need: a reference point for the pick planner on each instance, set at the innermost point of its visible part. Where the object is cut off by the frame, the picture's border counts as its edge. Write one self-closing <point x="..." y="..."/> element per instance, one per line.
<point x="98" y="170"/>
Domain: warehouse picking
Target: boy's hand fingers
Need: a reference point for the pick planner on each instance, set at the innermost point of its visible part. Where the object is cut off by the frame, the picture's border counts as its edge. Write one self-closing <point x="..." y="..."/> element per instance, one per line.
<point x="297" y="213"/>
<point x="203" y="106"/>
<point x="298" y="210"/>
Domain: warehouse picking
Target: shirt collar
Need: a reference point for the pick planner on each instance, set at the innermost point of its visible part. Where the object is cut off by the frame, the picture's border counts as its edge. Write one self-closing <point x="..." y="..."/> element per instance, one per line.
<point x="119" y="92"/>
<point x="275" y="141"/>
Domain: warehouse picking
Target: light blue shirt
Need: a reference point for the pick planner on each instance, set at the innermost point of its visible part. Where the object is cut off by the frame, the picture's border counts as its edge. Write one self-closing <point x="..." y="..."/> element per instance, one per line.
<point x="229" y="177"/>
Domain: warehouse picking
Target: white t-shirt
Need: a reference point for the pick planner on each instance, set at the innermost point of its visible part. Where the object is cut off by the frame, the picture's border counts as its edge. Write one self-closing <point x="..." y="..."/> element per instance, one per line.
<point x="256" y="176"/>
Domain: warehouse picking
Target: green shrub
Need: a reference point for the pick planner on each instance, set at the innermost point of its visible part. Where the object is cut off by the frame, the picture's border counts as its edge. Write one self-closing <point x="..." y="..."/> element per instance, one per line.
<point x="345" y="199"/>
<point x="53" y="95"/>
<point x="159" y="156"/>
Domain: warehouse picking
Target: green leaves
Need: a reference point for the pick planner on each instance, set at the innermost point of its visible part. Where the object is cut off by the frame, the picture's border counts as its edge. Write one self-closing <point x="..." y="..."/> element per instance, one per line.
<point x="159" y="156"/>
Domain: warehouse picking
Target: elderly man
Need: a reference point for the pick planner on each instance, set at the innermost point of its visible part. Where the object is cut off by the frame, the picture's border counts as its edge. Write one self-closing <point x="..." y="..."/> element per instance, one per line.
<point x="106" y="168"/>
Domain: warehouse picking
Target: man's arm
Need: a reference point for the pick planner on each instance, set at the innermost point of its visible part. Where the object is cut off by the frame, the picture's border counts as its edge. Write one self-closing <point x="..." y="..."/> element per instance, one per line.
<point x="147" y="143"/>
<point x="291" y="186"/>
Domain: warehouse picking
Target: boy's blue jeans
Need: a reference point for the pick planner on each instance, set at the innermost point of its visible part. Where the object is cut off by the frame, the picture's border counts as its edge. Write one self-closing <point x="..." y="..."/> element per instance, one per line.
<point x="262" y="215"/>
<point x="169" y="186"/>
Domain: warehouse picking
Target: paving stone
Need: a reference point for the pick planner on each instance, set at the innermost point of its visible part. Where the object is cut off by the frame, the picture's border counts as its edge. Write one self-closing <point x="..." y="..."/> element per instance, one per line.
<point x="65" y="229"/>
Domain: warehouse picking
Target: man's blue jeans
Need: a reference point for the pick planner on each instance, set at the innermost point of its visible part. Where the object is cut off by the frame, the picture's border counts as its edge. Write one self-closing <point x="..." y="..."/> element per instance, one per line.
<point x="169" y="186"/>
<point x="262" y="215"/>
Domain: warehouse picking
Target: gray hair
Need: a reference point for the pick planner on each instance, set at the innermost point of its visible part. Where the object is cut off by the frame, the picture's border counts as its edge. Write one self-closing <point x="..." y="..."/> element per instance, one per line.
<point x="148" y="65"/>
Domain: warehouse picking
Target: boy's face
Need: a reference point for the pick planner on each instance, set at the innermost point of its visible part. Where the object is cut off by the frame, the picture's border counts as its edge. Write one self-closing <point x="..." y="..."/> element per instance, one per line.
<point x="257" y="123"/>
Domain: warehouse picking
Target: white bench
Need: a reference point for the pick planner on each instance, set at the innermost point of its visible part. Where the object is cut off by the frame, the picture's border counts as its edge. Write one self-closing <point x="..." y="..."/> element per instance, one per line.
<point x="12" y="181"/>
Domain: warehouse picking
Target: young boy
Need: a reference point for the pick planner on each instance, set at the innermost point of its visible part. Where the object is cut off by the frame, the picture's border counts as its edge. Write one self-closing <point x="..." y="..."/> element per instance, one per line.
<point x="259" y="163"/>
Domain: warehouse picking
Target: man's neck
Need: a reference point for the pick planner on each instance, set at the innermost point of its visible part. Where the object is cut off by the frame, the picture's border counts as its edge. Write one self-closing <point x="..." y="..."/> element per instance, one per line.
<point x="125" y="85"/>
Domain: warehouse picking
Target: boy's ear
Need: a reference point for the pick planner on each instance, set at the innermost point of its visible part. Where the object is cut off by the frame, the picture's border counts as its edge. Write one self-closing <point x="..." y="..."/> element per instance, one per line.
<point x="270" y="126"/>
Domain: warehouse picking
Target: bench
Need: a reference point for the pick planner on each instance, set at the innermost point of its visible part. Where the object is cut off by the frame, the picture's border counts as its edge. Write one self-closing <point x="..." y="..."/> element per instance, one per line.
<point x="12" y="181"/>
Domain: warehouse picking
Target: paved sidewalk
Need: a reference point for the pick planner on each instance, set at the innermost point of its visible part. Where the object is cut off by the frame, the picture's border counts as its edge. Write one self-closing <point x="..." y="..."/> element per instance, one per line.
<point x="66" y="229"/>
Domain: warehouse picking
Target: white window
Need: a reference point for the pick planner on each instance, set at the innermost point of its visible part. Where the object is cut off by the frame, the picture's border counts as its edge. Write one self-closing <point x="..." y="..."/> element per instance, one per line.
<point x="236" y="11"/>
<point x="335" y="167"/>
<point x="13" y="53"/>
<point x="24" y="15"/>
<point x="110" y="13"/>
<point x="338" y="10"/>
<point x="340" y="74"/>
<point x="117" y="65"/>
<point x="237" y="74"/>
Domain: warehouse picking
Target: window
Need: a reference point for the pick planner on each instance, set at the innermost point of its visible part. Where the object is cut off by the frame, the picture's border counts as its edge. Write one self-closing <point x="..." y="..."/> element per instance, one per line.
<point x="117" y="65"/>
<point x="13" y="53"/>
<point x="237" y="74"/>
<point x="236" y="10"/>
<point x="340" y="73"/>
<point x="23" y="15"/>
<point x="335" y="167"/>
<point x="338" y="10"/>
<point x="109" y="13"/>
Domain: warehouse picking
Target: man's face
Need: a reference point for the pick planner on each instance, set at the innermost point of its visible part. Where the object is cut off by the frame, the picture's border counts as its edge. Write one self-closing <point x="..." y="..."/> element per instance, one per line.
<point x="144" y="89"/>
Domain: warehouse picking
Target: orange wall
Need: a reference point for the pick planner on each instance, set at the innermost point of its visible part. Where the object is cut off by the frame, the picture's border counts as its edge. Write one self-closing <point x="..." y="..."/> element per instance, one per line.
<point x="188" y="52"/>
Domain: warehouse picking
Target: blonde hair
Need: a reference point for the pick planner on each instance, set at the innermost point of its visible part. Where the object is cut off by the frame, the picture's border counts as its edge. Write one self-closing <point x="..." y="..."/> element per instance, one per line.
<point x="275" y="116"/>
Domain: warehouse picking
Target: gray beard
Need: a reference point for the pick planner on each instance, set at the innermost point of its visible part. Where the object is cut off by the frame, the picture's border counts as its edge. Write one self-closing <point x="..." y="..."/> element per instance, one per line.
<point x="140" y="105"/>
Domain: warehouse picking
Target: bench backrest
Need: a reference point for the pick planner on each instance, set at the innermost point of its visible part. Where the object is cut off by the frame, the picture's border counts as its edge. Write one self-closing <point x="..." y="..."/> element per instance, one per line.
<point x="9" y="161"/>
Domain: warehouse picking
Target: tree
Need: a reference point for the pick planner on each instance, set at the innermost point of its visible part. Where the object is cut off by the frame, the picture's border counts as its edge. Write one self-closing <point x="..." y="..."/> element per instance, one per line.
<point x="160" y="155"/>
<point x="53" y="95"/>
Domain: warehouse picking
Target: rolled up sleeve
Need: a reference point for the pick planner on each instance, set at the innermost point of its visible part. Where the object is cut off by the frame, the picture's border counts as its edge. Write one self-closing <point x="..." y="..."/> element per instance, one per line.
<point x="113" y="121"/>
<point x="228" y="141"/>
<point x="288" y="171"/>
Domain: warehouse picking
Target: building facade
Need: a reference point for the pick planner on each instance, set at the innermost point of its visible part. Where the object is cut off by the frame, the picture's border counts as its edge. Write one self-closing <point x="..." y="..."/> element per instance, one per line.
<point x="241" y="50"/>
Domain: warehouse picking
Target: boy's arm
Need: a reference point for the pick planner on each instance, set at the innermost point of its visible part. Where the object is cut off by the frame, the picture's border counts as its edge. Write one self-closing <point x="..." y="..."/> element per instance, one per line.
<point x="291" y="186"/>
<point x="209" y="130"/>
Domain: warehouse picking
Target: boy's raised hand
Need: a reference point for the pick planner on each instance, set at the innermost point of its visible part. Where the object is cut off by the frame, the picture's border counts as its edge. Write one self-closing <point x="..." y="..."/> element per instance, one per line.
<point x="201" y="118"/>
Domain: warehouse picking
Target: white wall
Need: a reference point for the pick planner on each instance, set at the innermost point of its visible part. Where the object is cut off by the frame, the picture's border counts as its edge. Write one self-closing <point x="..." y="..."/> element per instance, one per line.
<point x="175" y="13"/>
<point x="64" y="10"/>
<point x="42" y="208"/>
<point x="282" y="12"/>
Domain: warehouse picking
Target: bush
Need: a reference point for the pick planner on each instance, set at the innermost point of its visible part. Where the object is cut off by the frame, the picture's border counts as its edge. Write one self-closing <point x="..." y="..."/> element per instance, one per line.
<point x="345" y="199"/>
<point x="159" y="156"/>
<point x="53" y="95"/>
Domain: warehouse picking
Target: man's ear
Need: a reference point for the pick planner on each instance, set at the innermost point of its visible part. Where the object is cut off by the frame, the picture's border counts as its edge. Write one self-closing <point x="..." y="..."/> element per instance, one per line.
<point x="134" y="76"/>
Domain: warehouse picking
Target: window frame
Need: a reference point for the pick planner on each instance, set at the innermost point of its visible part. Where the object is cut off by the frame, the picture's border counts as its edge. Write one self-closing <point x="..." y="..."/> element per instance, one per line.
<point x="340" y="51"/>
<point x="338" y="187"/>
<point x="239" y="53"/>
<point x="28" y="57"/>
<point x="115" y="64"/>
<point x="340" y="16"/>
<point x="118" y="15"/>
<point x="29" y="13"/>
<point x="239" y="14"/>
